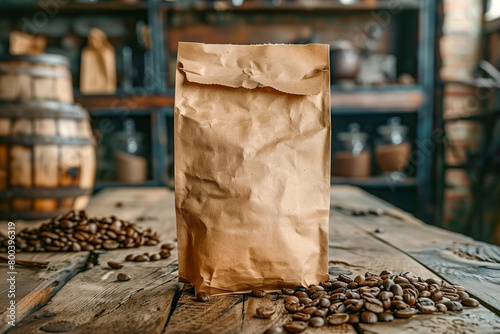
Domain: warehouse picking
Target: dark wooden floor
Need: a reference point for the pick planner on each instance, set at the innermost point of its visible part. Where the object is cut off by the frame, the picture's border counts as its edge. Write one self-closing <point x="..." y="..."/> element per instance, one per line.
<point x="92" y="301"/>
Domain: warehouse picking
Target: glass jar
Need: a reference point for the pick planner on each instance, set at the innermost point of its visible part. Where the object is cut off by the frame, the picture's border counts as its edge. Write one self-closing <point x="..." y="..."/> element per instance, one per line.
<point x="355" y="158"/>
<point x="393" y="148"/>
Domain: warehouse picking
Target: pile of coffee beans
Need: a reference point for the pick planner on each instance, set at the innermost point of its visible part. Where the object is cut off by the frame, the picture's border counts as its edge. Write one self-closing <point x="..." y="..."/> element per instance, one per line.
<point x="367" y="299"/>
<point x="75" y="232"/>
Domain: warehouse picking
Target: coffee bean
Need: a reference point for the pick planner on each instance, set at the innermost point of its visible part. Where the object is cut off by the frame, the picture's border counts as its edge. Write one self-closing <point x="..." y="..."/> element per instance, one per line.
<point x="470" y="302"/>
<point x="441" y="308"/>
<point x="291" y="299"/>
<point x="324" y="302"/>
<point x="385" y="295"/>
<point x="294" y="307"/>
<point x="299" y="316"/>
<point x="140" y="258"/>
<point x="110" y="244"/>
<point x="275" y="330"/>
<point x="258" y="293"/>
<point x="265" y="312"/>
<point x="168" y="246"/>
<point x="397" y="290"/>
<point x="202" y="297"/>
<point x="353" y="305"/>
<point x="317" y="322"/>
<point x="115" y="265"/>
<point x="321" y="312"/>
<point x="89" y="265"/>
<point x="345" y="278"/>
<point x="313" y="289"/>
<point x="338" y="319"/>
<point x="354" y="318"/>
<point x="129" y="257"/>
<point x="359" y="279"/>
<point x="337" y="296"/>
<point x="155" y="257"/>
<point x="426" y="309"/>
<point x="123" y="277"/>
<point x="164" y="254"/>
<point x="385" y="316"/>
<point x="305" y="301"/>
<point x="409" y="299"/>
<point x="405" y="313"/>
<point x="319" y="294"/>
<point x="368" y="317"/>
<point x="295" y="326"/>
<point x="373" y="307"/>
<point x="462" y="294"/>
<point x="309" y="310"/>
<point x="339" y="307"/>
<point x="287" y="291"/>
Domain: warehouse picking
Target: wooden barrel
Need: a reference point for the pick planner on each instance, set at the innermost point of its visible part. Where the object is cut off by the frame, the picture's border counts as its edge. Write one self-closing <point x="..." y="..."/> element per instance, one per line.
<point x="35" y="77"/>
<point x="47" y="159"/>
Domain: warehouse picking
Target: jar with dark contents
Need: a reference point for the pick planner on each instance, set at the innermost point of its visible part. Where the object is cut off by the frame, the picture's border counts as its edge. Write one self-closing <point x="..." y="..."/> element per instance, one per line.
<point x="354" y="160"/>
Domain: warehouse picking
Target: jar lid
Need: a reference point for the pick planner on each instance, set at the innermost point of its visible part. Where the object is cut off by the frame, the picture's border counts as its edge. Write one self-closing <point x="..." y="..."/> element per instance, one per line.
<point x="354" y="139"/>
<point x="394" y="130"/>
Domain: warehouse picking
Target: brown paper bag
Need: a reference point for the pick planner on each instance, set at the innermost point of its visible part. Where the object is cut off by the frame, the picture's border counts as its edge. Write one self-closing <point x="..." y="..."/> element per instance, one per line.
<point x="98" y="68"/>
<point x="252" y="166"/>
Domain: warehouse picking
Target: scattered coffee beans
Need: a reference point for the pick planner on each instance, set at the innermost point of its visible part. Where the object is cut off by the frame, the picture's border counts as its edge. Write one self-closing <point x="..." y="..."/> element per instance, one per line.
<point x="295" y="326"/>
<point x="265" y="312"/>
<point x="115" y="265"/>
<point x="123" y="277"/>
<point x="75" y="231"/>
<point x="258" y="293"/>
<point x="367" y="298"/>
<point x="202" y="297"/>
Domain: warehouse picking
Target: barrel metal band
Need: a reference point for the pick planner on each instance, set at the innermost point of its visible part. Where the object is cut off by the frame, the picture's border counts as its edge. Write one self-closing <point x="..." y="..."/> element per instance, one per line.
<point x="35" y="71"/>
<point x="28" y="140"/>
<point x="36" y="193"/>
<point x="31" y="215"/>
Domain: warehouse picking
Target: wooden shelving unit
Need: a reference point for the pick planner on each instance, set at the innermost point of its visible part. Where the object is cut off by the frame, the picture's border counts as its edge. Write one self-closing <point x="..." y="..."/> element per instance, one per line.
<point x="348" y="104"/>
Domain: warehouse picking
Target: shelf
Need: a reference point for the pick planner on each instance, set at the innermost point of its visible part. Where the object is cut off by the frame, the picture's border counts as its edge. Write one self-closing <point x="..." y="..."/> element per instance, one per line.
<point x="483" y="116"/>
<point x="376" y="99"/>
<point x="477" y="83"/>
<point x="318" y="5"/>
<point x="107" y="7"/>
<point x="105" y="103"/>
<point x="104" y="184"/>
<point x="374" y="182"/>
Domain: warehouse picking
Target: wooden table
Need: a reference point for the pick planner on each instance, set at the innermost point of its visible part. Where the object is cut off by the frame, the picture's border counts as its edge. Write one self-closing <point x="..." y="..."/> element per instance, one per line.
<point x="92" y="301"/>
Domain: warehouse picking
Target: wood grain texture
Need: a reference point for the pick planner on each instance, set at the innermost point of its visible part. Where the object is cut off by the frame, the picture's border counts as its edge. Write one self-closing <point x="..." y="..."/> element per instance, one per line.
<point x="455" y="257"/>
<point x="35" y="287"/>
<point x="94" y="301"/>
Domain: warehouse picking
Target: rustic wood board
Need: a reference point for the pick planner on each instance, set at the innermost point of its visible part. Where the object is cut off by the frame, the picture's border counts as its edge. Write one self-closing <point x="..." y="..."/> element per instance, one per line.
<point x="453" y="256"/>
<point x="35" y="287"/>
<point x="363" y="252"/>
<point x="95" y="302"/>
<point x="353" y="251"/>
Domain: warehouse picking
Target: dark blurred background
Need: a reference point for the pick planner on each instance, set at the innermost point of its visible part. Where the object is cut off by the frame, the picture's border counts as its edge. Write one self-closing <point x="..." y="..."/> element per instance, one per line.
<point x="414" y="88"/>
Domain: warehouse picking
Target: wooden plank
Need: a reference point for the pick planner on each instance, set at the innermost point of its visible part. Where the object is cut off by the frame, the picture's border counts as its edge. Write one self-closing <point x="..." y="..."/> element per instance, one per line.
<point x="94" y="301"/>
<point x="356" y="250"/>
<point x="352" y="251"/>
<point x="453" y="256"/>
<point x="35" y="287"/>
<point x="222" y="314"/>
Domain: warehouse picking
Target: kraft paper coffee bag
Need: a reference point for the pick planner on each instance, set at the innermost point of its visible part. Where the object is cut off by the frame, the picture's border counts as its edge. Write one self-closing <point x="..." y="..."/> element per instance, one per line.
<point x="252" y="165"/>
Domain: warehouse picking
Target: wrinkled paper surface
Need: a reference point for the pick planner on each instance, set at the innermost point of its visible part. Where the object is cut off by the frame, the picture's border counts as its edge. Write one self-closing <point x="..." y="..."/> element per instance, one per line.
<point x="252" y="165"/>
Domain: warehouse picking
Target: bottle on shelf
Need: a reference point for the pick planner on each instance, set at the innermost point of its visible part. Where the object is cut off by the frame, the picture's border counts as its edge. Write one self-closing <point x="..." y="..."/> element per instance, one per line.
<point x="355" y="159"/>
<point x="130" y="164"/>
<point x="392" y="148"/>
